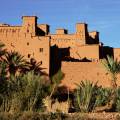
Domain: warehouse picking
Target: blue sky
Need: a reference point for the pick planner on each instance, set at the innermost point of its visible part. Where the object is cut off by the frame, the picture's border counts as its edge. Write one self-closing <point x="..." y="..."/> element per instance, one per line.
<point x="101" y="15"/>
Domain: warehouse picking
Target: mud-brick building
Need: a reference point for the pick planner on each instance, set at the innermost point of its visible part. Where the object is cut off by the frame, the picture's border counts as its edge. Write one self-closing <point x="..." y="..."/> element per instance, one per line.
<point x="78" y="55"/>
<point x="26" y="40"/>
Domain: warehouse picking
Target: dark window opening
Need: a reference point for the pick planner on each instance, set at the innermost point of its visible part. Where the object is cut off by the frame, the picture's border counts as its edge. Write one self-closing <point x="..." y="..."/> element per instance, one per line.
<point x="41" y="62"/>
<point x="28" y="55"/>
<point x="41" y="49"/>
<point x="27" y="43"/>
<point x="27" y="30"/>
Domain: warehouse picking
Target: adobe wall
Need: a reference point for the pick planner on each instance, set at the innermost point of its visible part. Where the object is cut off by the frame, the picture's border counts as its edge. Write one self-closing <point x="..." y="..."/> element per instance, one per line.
<point x="93" y="71"/>
<point x="116" y="52"/>
<point x="29" y="46"/>
<point x="67" y="40"/>
<point x="91" y="52"/>
<point x="34" y="41"/>
<point x="10" y="31"/>
<point x="29" y="24"/>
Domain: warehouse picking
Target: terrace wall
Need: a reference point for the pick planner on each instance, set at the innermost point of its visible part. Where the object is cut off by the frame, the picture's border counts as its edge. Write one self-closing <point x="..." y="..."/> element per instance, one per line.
<point x="78" y="71"/>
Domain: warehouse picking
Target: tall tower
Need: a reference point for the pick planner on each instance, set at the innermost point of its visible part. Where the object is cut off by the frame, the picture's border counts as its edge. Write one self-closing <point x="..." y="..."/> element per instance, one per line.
<point x="82" y="32"/>
<point x="29" y="25"/>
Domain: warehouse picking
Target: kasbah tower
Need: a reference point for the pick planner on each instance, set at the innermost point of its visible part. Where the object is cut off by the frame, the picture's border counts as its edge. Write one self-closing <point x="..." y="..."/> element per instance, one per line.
<point x="78" y="55"/>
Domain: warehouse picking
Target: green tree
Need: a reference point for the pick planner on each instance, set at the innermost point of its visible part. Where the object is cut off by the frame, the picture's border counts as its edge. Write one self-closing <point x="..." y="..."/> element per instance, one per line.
<point x="113" y="67"/>
<point x="2" y="50"/>
<point x="25" y="93"/>
<point x="15" y="62"/>
<point x="85" y="96"/>
<point x="36" y="67"/>
<point x="2" y="63"/>
<point x="55" y="81"/>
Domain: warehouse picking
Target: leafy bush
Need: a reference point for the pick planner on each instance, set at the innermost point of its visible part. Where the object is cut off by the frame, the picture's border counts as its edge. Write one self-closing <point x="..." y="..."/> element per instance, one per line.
<point x="89" y="96"/>
<point x="118" y="100"/>
<point x="86" y="96"/>
<point x="102" y="96"/>
<point x="23" y="93"/>
<point x="56" y="79"/>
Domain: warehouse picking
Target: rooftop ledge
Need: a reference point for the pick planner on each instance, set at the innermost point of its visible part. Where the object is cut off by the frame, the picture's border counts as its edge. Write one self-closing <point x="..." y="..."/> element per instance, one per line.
<point x="29" y="16"/>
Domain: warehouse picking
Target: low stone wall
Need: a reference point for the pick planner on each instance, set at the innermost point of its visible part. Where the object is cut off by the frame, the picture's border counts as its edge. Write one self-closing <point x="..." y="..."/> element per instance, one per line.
<point x="78" y="71"/>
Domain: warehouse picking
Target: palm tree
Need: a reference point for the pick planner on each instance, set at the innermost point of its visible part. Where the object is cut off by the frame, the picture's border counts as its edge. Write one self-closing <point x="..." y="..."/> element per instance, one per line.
<point x="2" y="50"/>
<point x="113" y="67"/>
<point x="36" y="67"/>
<point x="15" y="62"/>
<point x="2" y="63"/>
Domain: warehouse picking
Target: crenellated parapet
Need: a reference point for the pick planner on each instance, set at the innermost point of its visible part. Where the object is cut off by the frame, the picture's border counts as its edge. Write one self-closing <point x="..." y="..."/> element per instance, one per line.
<point x="10" y="30"/>
<point x="34" y="40"/>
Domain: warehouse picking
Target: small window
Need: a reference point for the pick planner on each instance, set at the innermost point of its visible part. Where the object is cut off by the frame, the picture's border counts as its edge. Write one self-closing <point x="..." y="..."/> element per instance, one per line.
<point x="41" y="49"/>
<point x="27" y="30"/>
<point x="41" y="62"/>
<point x="27" y="43"/>
<point x="28" y="55"/>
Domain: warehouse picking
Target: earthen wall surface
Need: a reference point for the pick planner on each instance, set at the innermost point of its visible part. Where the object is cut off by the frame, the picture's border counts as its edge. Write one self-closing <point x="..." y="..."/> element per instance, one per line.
<point x="17" y="39"/>
<point x="66" y="40"/>
<point x="116" y="54"/>
<point x="90" y="52"/>
<point x="33" y="40"/>
<point x="75" y="72"/>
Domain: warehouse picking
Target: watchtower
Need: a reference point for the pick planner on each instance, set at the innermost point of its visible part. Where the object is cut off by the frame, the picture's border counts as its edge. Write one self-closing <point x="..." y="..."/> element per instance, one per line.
<point x="82" y="32"/>
<point x="29" y="25"/>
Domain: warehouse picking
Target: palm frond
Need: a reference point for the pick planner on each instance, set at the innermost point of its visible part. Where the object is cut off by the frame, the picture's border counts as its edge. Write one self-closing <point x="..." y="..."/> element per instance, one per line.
<point x="14" y="62"/>
<point x="111" y="65"/>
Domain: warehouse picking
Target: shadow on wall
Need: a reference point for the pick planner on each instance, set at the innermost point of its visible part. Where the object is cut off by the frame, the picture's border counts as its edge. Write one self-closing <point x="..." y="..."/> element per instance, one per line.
<point x="40" y="32"/>
<point x="90" y="40"/>
<point x="106" y="50"/>
<point x="70" y="59"/>
<point x="56" y="56"/>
